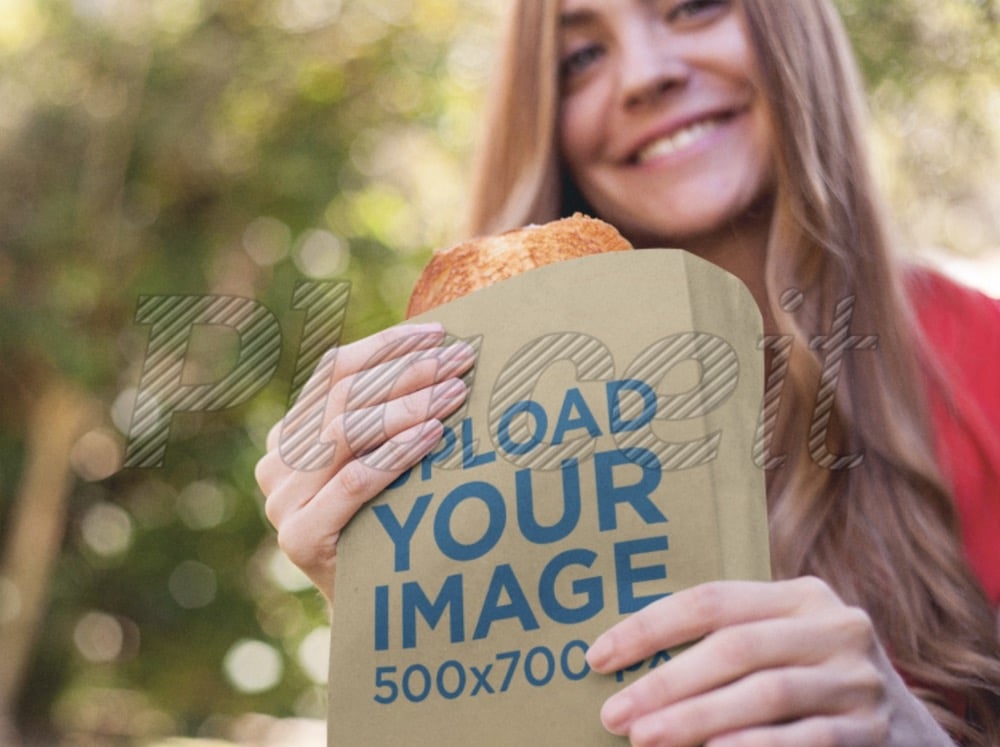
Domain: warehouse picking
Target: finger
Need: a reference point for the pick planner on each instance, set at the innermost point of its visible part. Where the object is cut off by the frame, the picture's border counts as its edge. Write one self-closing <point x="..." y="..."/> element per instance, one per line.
<point x="389" y="344"/>
<point x="323" y="397"/>
<point x="402" y="375"/>
<point x="332" y="391"/>
<point x="693" y="613"/>
<point x="301" y="439"/>
<point x="363" y="433"/>
<point x="821" y="731"/>
<point x="345" y="360"/>
<point x="732" y="653"/>
<point x="309" y="536"/>
<point x="268" y="471"/>
<point x="765" y="698"/>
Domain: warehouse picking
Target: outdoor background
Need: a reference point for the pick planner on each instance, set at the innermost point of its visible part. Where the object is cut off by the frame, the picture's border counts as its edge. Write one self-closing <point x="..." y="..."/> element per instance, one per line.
<point x="237" y="147"/>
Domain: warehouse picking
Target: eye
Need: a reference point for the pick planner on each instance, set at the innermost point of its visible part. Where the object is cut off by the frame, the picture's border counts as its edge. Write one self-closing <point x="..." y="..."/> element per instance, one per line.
<point x="695" y="9"/>
<point x="580" y="60"/>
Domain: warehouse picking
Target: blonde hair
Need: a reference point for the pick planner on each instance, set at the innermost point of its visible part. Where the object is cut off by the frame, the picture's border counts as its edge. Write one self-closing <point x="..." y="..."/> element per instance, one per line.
<point x="884" y="532"/>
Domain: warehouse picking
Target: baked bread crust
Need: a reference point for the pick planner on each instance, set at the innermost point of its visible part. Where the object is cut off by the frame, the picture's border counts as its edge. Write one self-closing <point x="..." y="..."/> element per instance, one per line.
<point x="477" y="263"/>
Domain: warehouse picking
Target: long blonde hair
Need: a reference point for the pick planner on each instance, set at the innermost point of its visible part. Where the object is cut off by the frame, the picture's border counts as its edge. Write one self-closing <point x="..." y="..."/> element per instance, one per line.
<point x="882" y="532"/>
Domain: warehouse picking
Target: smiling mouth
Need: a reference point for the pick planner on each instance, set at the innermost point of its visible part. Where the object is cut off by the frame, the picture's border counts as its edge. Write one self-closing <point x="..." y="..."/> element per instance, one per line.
<point x="680" y="139"/>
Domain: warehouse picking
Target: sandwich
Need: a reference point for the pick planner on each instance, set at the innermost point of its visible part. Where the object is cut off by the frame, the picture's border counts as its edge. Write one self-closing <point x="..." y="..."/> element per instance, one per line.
<point x="477" y="263"/>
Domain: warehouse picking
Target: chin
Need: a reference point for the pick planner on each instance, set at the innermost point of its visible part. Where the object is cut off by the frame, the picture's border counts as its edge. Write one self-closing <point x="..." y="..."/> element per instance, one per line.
<point x="652" y="235"/>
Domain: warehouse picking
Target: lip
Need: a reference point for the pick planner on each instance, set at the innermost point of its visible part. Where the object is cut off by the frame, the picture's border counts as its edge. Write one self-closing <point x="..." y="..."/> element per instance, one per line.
<point x="672" y="127"/>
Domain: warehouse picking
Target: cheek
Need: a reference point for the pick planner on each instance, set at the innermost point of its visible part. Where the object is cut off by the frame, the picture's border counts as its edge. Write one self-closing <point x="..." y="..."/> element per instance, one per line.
<point x="579" y="133"/>
<point x="570" y="138"/>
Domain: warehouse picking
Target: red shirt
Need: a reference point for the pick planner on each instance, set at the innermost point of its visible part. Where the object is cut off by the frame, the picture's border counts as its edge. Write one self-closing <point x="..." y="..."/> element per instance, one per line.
<point x="962" y="327"/>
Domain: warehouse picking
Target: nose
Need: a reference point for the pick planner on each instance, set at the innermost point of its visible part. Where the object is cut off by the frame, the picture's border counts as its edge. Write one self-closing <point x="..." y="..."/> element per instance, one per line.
<point x="650" y="69"/>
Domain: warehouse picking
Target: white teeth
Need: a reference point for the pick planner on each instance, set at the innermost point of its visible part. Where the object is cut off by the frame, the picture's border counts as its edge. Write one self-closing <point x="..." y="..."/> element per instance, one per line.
<point x="678" y="141"/>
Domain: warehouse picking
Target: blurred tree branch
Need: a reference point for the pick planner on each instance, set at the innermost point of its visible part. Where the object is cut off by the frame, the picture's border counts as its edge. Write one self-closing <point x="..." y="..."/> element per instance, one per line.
<point x="58" y="411"/>
<point x="34" y="533"/>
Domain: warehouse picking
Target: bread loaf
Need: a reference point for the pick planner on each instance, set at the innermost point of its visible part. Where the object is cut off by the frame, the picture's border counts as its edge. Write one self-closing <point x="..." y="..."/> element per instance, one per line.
<point x="477" y="263"/>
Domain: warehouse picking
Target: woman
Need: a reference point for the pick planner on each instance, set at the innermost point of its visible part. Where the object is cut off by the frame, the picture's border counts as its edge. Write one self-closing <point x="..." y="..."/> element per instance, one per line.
<point x="733" y="128"/>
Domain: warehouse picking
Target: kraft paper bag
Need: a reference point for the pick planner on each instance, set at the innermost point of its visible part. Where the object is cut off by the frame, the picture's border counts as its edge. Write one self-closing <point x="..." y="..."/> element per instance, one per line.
<point x="603" y="460"/>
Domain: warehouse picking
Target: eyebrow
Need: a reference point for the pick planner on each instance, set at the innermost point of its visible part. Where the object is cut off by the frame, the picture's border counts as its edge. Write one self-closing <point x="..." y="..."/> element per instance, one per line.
<point x="575" y="18"/>
<point x="583" y="16"/>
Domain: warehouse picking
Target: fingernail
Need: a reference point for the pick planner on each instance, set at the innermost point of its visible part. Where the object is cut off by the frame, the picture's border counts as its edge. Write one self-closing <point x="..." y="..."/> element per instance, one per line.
<point x="424" y="328"/>
<point x="599" y="653"/>
<point x="445" y="395"/>
<point x="616" y="714"/>
<point x="423" y="333"/>
<point x="460" y="350"/>
<point x="431" y="432"/>
<point x="457" y="358"/>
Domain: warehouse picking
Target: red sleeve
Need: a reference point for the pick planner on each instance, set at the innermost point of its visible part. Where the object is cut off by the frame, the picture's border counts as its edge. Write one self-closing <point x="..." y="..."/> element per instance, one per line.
<point x="962" y="327"/>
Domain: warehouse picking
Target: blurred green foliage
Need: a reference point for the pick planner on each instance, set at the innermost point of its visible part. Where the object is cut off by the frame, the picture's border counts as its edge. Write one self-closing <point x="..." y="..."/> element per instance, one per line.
<point x="237" y="146"/>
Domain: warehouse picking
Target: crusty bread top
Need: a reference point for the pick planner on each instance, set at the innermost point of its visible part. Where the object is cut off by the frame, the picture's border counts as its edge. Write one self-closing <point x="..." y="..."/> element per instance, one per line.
<point x="476" y="263"/>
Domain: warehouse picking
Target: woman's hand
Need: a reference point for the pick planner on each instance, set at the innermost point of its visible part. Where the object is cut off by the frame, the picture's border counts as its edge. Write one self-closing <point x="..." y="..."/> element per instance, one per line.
<point x="783" y="663"/>
<point x="371" y="411"/>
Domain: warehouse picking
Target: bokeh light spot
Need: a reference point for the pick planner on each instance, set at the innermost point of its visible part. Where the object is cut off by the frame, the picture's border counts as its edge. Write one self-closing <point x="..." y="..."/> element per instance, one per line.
<point x="107" y="529"/>
<point x="96" y="455"/>
<point x="285" y="573"/>
<point x="320" y="254"/>
<point x="202" y="505"/>
<point x="267" y="240"/>
<point x="314" y="654"/>
<point x="99" y="637"/>
<point x="306" y="15"/>
<point x="253" y="666"/>
<point x="193" y="585"/>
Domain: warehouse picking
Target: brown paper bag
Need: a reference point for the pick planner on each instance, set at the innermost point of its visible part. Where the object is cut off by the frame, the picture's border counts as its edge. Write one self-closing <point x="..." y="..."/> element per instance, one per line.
<point x="603" y="460"/>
